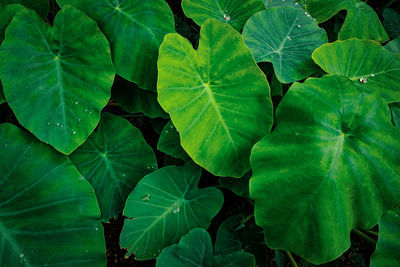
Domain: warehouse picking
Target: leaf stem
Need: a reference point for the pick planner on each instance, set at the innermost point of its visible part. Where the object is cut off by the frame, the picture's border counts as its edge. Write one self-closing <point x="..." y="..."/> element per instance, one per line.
<point x="292" y="260"/>
<point x="364" y="236"/>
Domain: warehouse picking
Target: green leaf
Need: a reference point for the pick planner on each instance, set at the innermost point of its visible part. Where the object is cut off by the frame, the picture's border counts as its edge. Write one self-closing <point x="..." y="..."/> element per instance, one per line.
<point x="388" y="246"/>
<point x="164" y="206"/>
<point x="113" y="160"/>
<point x="280" y="3"/>
<point x="6" y="15"/>
<point x="394" y="45"/>
<point x="2" y="99"/>
<point x="391" y="22"/>
<point x="217" y="97"/>
<point x="195" y="249"/>
<point x="238" y="186"/>
<point x="286" y="37"/>
<point x="135" y="30"/>
<point x="233" y="12"/>
<point x="329" y="165"/>
<point x="361" y="21"/>
<point x="67" y="69"/>
<point x="276" y="86"/>
<point x="395" y="108"/>
<point x="48" y="212"/>
<point x="227" y="240"/>
<point x="169" y="142"/>
<point x="135" y="100"/>
<point x="366" y="63"/>
<point x="40" y="6"/>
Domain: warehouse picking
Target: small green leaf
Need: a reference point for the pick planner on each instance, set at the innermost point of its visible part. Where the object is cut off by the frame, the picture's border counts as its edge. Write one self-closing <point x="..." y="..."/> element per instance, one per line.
<point x="286" y="37"/>
<point x="169" y="142"/>
<point x="113" y="160"/>
<point x="195" y="249"/>
<point x="164" y="206"/>
<point x="394" y="45"/>
<point x="67" y="69"/>
<point x="48" y="212"/>
<point x="233" y="12"/>
<point x="217" y="97"/>
<point x="391" y="22"/>
<point x="40" y="6"/>
<point x="371" y="67"/>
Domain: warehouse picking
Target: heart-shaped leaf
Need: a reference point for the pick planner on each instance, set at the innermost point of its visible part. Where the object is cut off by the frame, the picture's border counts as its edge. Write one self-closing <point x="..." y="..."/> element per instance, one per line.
<point x="40" y="6"/>
<point x="286" y="37"/>
<point x="361" y="21"/>
<point x="164" y="206"/>
<point x="233" y="12"/>
<point x="61" y="75"/>
<point x="195" y="249"/>
<point x="48" y="213"/>
<point x="169" y="142"/>
<point x="217" y="97"/>
<point x="113" y="160"/>
<point x="331" y="164"/>
<point x="366" y="63"/>
<point x="135" y="30"/>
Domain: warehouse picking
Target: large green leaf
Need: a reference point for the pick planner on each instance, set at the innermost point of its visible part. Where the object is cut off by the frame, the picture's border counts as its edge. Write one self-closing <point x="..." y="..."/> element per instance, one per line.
<point x="48" y="213"/>
<point x="286" y="37"/>
<point x="40" y="6"/>
<point x="113" y="160"/>
<point x="233" y="12"/>
<point x="331" y="164"/>
<point x="366" y="63"/>
<point x="361" y="21"/>
<point x="394" y="45"/>
<point x="388" y="247"/>
<point x="217" y="97"/>
<point x="56" y="80"/>
<point x="135" y="30"/>
<point x="169" y="142"/>
<point x="195" y="249"/>
<point x="164" y="206"/>
<point x="391" y="22"/>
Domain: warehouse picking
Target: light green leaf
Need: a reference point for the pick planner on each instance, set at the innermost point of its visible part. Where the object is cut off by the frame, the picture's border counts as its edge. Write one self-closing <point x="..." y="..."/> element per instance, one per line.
<point x="286" y="37"/>
<point x="67" y="69"/>
<point x="40" y="6"/>
<point x="164" y="206"/>
<point x="391" y="22"/>
<point x="113" y="160"/>
<point x="48" y="212"/>
<point x="238" y="186"/>
<point x="169" y="142"/>
<point x="233" y="12"/>
<point x="135" y="30"/>
<point x="361" y="21"/>
<point x="195" y="249"/>
<point x="395" y="108"/>
<point x="217" y="97"/>
<point x="394" y="45"/>
<point x="388" y="246"/>
<point x="329" y="165"/>
<point x="366" y="63"/>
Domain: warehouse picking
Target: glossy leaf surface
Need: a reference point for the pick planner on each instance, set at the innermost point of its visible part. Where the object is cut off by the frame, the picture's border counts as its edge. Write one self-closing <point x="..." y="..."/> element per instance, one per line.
<point x="67" y="69"/>
<point x="366" y="63"/>
<point x="48" y="212"/>
<point x="135" y="30"/>
<point x="217" y="97"/>
<point x="40" y="6"/>
<point x="233" y="12"/>
<point x="286" y="37"/>
<point x="164" y="206"/>
<point x="329" y="166"/>
<point x="113" y="160"/>
<point x="169" y="142"/>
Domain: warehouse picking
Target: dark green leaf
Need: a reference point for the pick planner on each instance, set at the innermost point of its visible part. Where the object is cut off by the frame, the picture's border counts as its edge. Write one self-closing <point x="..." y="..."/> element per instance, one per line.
<point x="40" y="6"/>
<point x="238" y="186"/>
<point x="391" y="22"/>
<point x="170" y="144"/>
<point x="394" y="45"/>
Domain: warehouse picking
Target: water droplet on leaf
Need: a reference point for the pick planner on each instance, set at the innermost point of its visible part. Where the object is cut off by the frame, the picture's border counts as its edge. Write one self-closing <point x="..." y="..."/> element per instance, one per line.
<point x="363" y="80"/>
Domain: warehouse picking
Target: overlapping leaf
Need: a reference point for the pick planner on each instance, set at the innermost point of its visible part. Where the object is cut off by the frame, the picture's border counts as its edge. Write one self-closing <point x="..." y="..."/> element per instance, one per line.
<point x="217" y="97"/>
<point x="395" y="108"/>
<point x="164" y="206"/>
<point x="330" y="165"/>
<point x="48" y="212"/>
<point x="394" y="45"/>
<point x="40" y="6"/>
<point x="391" y="22"/>
<point x="238" y="186"/>
<point x="286" y="37"/>
<point x="169" y="142"/>
<point x="56" y="80"/>
<point x="135" y="30"/>
<point x="113" y="160"/>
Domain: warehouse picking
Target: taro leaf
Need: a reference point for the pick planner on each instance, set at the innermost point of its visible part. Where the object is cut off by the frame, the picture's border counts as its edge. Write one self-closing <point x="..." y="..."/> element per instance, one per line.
<point x="238" y="186"/>
<point x="233" y="12"/>
<point x="113" y="160"/>
<point x="366" y="63"/>
<point x="394" y="45"/>
<point x="395" y="108"/>
<point x="286" y="37"/>
<point x="48" y="212"/>
<point x="388" y="246"/>
<point x="40" y="6"/>
<point x="67" y="69"/>
<point x="361" y="21"/>
<point x="217" y="97"/>
<point x="135" y="100"/>
<point x="195" y="249"/>
<point x="135" y="30"/>
<point x="227" y="240"/>
<point x="330" y="165"/>
<point x="391" y="22"/>
<point x="6" y="15"/>
<point x="169" y="142"/>
<point x="164" y="206"/>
